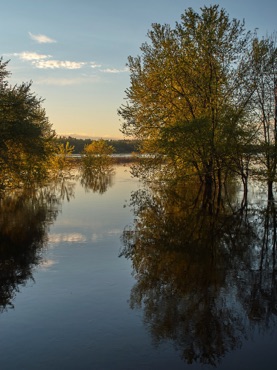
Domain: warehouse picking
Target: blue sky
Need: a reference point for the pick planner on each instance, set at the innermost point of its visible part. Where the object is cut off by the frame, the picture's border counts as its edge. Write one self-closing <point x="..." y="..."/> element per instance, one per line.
<point x="75" y="52"/>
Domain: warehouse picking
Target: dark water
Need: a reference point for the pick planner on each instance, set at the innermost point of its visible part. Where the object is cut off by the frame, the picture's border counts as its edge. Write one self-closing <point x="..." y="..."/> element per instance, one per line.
<point x="68" y="301"/>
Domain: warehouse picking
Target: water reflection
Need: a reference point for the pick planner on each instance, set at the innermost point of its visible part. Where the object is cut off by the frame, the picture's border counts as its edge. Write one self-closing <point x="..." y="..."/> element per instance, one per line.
<point x="25" y="216"/>
<point x="97" y="179"/>
<point x="206" y="276"/>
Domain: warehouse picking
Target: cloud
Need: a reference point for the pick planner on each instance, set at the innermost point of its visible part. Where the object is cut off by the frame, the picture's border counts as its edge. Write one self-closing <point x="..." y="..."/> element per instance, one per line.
<point x="44" y="61"/>
<point x="114" y="70"/>
<point x="42" y="39"/>
<point x="26" y="55"/>
<point x="57" y="64"/>
<point x="95" y="65"/>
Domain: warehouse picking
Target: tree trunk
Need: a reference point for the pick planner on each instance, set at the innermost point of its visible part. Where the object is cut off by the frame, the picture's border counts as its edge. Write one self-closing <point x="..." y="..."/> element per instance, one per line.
<point x="270" y="195"/>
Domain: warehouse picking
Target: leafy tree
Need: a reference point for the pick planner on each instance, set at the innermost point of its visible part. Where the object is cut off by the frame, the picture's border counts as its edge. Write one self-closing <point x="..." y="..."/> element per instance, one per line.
<point x="188" y="94"/>
<point x="124" y="146"/>
<point x="97" y="155"/>
<point x="26" y="136"/>
<point x="60" y="163"/>
<point x="120" y="146"/>
<point x="97" y="169"/>
<point x="77" y="143"/>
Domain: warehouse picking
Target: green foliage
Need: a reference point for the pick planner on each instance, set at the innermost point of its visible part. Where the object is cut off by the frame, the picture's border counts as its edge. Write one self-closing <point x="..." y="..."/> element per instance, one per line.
<point x="189" y="95"/>
<point x="120" y="146"/>
<point x="26" y="136"/>
<point x="78" y="144"/>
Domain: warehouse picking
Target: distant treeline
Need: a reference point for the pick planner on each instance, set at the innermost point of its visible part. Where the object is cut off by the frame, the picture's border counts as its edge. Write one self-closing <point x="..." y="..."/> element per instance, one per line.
<point x="120" y="146"/>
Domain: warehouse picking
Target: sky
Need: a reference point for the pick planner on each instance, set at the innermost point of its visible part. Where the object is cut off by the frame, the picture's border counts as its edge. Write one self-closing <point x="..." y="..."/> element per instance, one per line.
<point x="75" y="52"/>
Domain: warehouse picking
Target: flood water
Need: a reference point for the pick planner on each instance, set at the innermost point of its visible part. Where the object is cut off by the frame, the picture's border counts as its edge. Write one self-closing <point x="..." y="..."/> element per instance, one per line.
<point x="75" y="294"/>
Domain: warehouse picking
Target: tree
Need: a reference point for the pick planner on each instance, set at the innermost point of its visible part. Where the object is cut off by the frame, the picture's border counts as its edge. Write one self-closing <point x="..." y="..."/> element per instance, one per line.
<point x="264" y="103"/>
<point x="120" y="146"/>
<point x="26" y="136"/>
<point x="188" y="94"/>
<point x="97" y="156"/>
<point x="61" y="164"/>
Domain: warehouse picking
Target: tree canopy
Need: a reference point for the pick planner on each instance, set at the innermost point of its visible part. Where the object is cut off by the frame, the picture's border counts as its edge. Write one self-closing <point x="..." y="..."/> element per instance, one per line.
<point x="25" y="133"/>
<point x="97" y="156"/>
<point x="191" y="95"/>
<point x="121" y="146"/>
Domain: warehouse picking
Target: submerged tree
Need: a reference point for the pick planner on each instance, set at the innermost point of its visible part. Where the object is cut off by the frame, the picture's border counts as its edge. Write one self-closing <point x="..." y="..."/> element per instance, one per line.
<point x="97" y="155"/>
<point x="264" y="104"/>
<point x="189" y="100"/>
<point x="188" y="92"/>
<point x="26" y="136"/>
<point x="97" y="166"/>
<point x="61" y="165"/>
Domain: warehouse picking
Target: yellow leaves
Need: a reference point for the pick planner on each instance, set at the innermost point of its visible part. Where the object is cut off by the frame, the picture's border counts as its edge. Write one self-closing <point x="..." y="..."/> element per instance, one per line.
<point x="61" y="161"/>
<point x="99" y="147"/>
<point x="97" y="156"/>
<point x="65" y="149"/>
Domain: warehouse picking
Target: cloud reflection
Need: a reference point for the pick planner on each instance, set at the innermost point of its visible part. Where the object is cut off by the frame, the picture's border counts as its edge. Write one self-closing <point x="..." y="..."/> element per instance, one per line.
<point x="44" y="265"/>
<point x="67" y="238"/>
<point x="77" y="237"/>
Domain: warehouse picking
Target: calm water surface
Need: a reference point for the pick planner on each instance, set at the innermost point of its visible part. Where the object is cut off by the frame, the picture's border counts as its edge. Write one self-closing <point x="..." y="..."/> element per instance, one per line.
<point x="71" y="309"/>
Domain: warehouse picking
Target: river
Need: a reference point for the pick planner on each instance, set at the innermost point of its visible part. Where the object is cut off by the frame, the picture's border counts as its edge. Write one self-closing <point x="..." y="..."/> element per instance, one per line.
<point x="72" y="300"/>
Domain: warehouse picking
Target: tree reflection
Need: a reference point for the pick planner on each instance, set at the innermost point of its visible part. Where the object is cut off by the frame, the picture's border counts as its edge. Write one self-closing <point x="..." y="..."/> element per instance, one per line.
<point x="206" y="277"/>
<point x="97" y="179"/>
<point x="25" y="217"/>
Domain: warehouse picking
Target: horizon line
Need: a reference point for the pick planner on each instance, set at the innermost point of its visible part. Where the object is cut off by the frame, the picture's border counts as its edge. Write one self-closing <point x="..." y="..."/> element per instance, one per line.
<point x="92" y="137"/>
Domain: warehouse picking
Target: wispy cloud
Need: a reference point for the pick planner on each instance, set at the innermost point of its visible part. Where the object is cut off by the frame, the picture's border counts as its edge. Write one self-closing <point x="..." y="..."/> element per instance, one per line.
<point x="26" y="55"/>
<point x="44" y="61"/>
<point x="95" y="65"/>
<point x="58" y="64"/>
<point x="41" y="39"/>
<point x="114" y="70"/>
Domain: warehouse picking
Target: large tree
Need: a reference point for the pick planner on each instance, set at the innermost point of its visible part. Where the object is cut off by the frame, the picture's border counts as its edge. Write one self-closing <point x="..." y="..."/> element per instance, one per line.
<point x="188" y="94"/>
<point x="264" y="105"/>
<point x="25" y="133"/>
